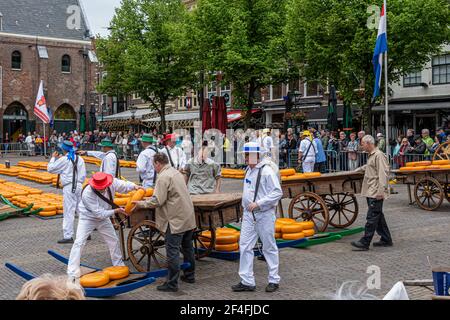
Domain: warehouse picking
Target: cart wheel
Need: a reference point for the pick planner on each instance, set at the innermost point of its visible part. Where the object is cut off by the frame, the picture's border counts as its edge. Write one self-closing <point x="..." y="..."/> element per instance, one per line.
<point x="309" y="206"/>
<point x="429" y="193"/>
<point x="203" y="245"/>
<point x="146" y="247"/>
<point x="442" y="152"/>
<point x="447" y="192"/>
<point x="343" y="209"/>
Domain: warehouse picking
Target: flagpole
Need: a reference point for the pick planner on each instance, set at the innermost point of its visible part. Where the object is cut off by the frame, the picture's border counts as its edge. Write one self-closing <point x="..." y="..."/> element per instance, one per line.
<point x="386" y="99"/>
<point x="45" y="143"/>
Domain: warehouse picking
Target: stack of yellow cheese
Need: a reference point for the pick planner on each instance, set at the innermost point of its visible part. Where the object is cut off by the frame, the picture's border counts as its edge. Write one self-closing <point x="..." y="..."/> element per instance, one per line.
<point x="39" y="177"/>
<point x="233" y="173"/>
<point x="33" y="164"/>
<point x="127" y="164"/>
<point x="227" y="239"/>
<point x="289" y="229"/>
<point x="92" y="160"/>
<point x="101" y="278"/>
<point x="122" y="199"/>
<point x="300" y="176"/>
<point x="426" y="165"/>
<point x="13" y="171"/>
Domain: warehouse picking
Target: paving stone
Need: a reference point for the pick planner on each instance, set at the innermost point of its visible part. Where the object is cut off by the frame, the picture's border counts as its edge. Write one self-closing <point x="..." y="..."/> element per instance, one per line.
<point x="313" y="273"/>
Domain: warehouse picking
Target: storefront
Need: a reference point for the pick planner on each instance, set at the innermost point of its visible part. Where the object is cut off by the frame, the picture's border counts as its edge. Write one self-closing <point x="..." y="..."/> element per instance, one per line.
<point x="415" y="115"/>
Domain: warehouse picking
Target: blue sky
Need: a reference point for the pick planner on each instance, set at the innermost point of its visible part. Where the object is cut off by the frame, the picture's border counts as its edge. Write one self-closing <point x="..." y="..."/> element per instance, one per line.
<point x="99" y="14"/>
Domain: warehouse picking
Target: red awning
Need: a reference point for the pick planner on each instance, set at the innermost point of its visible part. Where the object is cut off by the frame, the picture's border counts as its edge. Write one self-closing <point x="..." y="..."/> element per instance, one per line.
<point x="236" y="115"/>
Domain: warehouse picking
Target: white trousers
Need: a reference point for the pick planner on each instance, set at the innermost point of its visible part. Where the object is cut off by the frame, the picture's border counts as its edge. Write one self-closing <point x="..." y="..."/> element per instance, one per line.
<point x="308" y="167"/>
<point x="70" y="206"/>
<point x="85" y="227"/>
<point x="264" y="228"/>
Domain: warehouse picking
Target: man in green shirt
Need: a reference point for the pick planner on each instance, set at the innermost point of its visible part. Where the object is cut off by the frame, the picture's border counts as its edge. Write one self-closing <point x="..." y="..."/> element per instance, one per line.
<point x="203" y="174"/>
<point x="428" y="140"/>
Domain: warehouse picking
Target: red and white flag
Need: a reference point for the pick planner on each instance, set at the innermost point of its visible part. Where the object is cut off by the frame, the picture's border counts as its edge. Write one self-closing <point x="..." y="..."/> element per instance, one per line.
<point x="40" y="107"/>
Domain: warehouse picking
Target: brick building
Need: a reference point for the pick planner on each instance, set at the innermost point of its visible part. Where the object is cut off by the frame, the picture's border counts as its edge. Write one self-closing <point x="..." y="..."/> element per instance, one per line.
<point x="45" y="40"/>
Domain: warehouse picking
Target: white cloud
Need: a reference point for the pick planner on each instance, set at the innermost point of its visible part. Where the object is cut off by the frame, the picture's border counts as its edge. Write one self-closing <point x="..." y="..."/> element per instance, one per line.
<point x="99" y="14"/>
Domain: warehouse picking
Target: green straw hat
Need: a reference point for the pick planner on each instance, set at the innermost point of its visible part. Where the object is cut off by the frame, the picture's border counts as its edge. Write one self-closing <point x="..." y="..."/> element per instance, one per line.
<point x="106" y="143"/>
<point x="148" y="138"/>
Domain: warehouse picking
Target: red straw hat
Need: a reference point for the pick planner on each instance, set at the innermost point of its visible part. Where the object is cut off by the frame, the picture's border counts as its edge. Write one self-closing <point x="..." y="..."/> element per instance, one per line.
<point x="101" y="180"/>
<point x="170" y="136"/>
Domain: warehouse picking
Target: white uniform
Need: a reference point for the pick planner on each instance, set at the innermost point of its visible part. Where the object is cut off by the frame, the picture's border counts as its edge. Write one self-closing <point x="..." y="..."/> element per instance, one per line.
<point x="95" y="214"/>
<point x="109" y="161"/>
<point x="269" y="194"/>
<point x="64" y="167"/>
<point x="177" y="155"/>
<point x="309" y="156"/>
<point x="144" y="166"/>
<point x="267" y="145"/>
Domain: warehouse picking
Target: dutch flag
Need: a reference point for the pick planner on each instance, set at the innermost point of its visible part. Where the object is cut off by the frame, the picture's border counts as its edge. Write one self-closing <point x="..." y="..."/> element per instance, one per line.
<point x="381" y="48"/>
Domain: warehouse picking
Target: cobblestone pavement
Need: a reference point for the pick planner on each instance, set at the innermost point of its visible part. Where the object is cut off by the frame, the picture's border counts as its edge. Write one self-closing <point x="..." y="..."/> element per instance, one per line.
<point x="312" y="273"/>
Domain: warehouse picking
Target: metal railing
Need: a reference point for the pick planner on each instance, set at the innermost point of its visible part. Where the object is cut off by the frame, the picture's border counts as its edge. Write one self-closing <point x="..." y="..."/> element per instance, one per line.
<point x="18" y="148"/>
<point x="347" y="160"/>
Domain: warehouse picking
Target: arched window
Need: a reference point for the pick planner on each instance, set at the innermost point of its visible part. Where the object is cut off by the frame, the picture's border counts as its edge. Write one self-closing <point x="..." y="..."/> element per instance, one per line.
<point x="65" y="63"/>
<point x="16" y="60"/>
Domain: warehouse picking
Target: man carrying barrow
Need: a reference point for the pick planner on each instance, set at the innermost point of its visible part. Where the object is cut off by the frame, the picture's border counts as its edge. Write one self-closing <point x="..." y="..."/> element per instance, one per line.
<point x="96" y="209"/>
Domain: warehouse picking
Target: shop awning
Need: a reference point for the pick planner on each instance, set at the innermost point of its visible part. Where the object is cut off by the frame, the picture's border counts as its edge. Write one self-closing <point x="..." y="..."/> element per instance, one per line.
<point x="177" y="116"/>
<point x="175" y="120"/>
<point x="236" y="115"/>
<point x="414" y="106"/>
<point x="140" y="113"/>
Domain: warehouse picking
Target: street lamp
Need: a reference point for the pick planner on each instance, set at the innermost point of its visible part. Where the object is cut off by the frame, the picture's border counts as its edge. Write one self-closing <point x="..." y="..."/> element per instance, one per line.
<point x="133" y="110"/>
<point x="102" y="109"/>
<point x="292" y="102"/>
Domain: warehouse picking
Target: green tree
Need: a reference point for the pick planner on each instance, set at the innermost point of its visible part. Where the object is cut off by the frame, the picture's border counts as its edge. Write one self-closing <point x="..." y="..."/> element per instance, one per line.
<point x="331" y="42"/>
<point x="243" y="39"/>
<point x="148" y="52"/>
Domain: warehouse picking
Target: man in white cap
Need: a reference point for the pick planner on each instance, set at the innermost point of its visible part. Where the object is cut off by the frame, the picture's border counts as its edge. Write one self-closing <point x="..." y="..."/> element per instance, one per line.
<point x="267" y="142"/>
<point x="71" y="171"/>
<point x="262" y="191"/>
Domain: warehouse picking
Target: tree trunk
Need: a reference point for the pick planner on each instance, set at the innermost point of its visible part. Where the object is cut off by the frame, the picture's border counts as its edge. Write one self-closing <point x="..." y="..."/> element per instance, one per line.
<point x="163" y="116"/>
<point x="250" y="103"/>
<point x="367" y="116"/>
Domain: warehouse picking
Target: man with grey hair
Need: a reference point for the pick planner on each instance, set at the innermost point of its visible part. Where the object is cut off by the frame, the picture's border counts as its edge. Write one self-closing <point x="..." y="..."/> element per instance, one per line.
<point x="375" y="188"/>
<point x="427" y="140"/>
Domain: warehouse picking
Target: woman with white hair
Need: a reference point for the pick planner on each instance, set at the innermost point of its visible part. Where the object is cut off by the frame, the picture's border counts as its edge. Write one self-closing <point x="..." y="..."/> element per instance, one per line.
<point x="49" y="287"/>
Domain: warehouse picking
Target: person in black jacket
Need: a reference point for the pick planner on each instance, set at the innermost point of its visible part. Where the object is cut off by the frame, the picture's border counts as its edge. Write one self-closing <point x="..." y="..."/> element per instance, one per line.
<point x="415" y="153"/>
<point x="291" y="148"/>
<point x="410" y="137"/>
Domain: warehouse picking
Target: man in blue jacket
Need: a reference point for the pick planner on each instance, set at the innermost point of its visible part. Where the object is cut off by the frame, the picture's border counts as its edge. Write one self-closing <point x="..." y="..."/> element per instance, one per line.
<point x="321" y="159"/>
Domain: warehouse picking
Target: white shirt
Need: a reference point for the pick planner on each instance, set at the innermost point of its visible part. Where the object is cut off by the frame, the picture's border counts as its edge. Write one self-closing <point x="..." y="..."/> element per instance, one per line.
<point x="28" y="139"/>
<point x="92" y="207"/>
<point x="269" y="192"/>
<point x="144" y="166"/>
<point x="109" y="161"/>
<point x="64" y="167"/>
<point x="178" y="157"/>
<point x="304" y="145"/>
<point x="267" y="144"/>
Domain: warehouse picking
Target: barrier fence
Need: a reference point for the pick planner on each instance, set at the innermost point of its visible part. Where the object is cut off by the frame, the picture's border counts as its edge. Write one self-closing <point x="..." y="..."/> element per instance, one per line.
<point x="335" y="161"/>
<point x="347" y="160"/>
